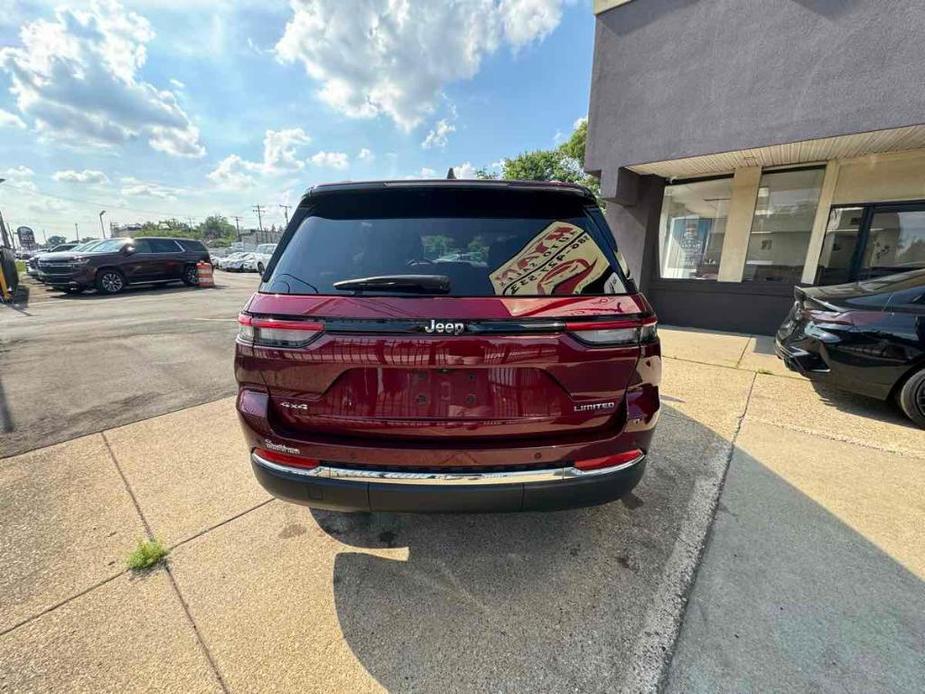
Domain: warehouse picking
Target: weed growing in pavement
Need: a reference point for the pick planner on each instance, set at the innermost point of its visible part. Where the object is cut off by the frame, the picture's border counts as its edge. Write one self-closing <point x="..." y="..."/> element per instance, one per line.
<point x="146" y="554"/>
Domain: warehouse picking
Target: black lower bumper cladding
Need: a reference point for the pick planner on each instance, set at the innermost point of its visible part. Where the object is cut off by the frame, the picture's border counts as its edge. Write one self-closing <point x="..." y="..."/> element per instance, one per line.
<point x="353" y="495"/>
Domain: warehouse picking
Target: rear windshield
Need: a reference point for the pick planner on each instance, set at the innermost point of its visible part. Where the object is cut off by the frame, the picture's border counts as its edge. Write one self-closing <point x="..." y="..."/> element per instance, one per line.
<point x="513" y="245"/>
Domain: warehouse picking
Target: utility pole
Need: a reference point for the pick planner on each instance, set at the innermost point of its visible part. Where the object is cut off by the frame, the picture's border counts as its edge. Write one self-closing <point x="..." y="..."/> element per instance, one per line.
<point x="237" y="223"/>
<point x="77" y="232"/>
<point x="102" y="228"/>
<point x="286" y="210"/>
<point x="259" y="210"/>
<point x="190" y="223"/>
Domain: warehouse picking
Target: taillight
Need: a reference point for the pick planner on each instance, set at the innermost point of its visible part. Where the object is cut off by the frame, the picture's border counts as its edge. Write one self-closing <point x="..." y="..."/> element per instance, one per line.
<point x="611" y="461"/>
<point x="269" y="332"/>
<point x="286" y="459"/>
<point x="614" y="332"/>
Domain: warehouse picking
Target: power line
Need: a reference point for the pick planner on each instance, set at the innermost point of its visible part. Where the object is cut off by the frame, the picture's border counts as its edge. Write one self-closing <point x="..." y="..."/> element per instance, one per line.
<point x="286" y="210"/>
<point x="259" y="210"/>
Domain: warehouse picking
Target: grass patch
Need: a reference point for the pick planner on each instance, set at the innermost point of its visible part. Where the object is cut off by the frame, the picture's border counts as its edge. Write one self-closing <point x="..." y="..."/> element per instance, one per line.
<point x="146" y="554"/>
<point x="21" y="267"/>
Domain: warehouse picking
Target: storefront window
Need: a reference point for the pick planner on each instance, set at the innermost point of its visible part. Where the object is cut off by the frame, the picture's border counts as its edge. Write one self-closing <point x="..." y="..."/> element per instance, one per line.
<point x="782" y="225"/>
<point x="693" y="225"/>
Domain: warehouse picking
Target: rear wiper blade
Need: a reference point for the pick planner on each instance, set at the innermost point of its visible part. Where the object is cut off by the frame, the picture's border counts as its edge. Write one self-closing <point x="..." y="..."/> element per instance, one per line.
<point x="413" y="284"/>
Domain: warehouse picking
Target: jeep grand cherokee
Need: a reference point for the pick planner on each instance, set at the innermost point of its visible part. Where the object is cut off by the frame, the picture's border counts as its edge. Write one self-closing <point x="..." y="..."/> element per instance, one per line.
<point x="447" y="346"/>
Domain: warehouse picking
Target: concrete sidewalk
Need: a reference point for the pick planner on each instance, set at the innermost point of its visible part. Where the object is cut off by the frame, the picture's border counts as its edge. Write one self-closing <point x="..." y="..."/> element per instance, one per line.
<point x="813" y="576"/>
<point x="824" y="494"/>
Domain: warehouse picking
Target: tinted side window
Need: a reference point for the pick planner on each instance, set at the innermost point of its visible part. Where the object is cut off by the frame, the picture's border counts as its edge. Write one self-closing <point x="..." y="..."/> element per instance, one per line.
<point x="165" y="246"/>
<point x="144" y="246"/>
<point x="194" y="246"/>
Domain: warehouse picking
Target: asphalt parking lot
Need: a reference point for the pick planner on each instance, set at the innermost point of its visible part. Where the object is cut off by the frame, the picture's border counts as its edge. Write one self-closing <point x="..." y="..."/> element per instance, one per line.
<point x="70" y="365"/>
<point x="812" y="576"/>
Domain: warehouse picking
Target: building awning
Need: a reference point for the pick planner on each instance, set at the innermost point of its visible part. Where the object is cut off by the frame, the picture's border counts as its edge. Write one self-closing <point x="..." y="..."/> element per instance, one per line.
<point x="806" y="152"/>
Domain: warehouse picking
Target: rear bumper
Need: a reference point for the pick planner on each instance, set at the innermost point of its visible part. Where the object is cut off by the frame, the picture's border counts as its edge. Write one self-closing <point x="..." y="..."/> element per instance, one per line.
<point x="370" y="490"/>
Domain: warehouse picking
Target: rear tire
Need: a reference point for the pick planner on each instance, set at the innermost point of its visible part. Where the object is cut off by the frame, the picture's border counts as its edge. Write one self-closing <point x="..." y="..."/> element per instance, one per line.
<point x="190" y="276"/>
<point x="260" y="268"/>
<point x="911" y="397"/>
<point x="109" y="282"/>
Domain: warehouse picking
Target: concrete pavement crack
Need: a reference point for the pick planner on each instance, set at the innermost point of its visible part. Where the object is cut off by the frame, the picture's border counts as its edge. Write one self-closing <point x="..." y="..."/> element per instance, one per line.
<point x="173" y="581"/>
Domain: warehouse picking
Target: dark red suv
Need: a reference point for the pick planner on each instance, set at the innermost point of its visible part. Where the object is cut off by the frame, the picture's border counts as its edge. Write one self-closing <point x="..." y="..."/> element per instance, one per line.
<point x="448" y="346"/>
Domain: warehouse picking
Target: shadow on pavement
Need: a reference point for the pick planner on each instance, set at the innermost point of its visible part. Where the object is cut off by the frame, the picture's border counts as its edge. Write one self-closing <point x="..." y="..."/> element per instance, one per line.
<point x="532" y="601"/>
<point x="562" y="601"/>
<point x="861" y="405"/>
<point x="791" y="599"/>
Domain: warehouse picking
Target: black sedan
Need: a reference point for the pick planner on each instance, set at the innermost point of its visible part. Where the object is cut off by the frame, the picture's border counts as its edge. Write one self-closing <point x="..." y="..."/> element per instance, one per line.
<point x="866" y="337"/>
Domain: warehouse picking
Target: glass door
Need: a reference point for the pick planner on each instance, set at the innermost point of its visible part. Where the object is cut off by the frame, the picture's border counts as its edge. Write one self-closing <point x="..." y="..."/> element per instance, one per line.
<point x="865" y="241"/>
<point x="895" y="241"/>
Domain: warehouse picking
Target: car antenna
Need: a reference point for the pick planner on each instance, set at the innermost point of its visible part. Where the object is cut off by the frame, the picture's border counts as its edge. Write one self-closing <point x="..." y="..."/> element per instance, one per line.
<point x="450" y="174"/>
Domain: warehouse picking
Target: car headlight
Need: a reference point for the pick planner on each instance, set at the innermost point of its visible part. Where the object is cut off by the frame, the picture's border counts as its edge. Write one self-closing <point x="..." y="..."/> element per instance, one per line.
<point x="79" y="261"/>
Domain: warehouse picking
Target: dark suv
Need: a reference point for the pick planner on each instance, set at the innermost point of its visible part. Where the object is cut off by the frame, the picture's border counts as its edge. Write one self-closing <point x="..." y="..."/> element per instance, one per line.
<point x="111" y="265"/>
<point x="447" y="346"/>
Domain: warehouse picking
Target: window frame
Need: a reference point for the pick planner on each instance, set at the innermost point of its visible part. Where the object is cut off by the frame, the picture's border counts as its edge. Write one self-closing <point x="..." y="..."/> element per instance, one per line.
<point x="869" y="210"/>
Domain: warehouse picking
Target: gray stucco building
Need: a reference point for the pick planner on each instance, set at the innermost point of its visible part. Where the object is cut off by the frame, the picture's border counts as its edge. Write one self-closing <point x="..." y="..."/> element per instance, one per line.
<point x="745" y="146"/>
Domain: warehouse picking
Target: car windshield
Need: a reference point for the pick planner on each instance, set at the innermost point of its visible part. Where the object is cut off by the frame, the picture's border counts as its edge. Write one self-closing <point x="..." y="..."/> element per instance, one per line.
<point x="109" y="245"/>
<point x="486" y="245"/>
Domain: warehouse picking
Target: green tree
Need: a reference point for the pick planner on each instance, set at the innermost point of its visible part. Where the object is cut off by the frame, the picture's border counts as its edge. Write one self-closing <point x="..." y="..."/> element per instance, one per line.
<point x="562" y="163"/>
<point x="217" y="227"/>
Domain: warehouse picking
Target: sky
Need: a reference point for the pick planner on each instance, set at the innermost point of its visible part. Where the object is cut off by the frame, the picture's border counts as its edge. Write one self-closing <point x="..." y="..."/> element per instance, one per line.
<point x="184" y="108"/>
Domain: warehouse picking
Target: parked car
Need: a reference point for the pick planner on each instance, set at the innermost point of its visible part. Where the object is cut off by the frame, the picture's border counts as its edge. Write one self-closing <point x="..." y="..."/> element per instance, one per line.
<point x="866" y="337"/>
<point x="261" y="258"/>
<point x="32" y="265"/>
<point x="236" y="262"/>
<point x="220" y="261"/>
<point x="111" y="265"/>
<point x="375" y="376"/>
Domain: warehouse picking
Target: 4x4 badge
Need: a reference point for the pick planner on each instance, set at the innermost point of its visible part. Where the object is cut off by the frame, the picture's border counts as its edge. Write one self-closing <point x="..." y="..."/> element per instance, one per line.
<point x="447" y="328"/>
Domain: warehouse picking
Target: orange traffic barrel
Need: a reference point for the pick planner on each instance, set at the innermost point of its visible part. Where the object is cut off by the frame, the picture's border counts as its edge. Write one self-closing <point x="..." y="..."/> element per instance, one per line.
<point x="204" y="271"/>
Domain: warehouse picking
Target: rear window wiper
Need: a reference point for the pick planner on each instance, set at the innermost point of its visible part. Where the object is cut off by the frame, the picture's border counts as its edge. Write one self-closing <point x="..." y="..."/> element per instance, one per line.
<point x="412" y="284"/>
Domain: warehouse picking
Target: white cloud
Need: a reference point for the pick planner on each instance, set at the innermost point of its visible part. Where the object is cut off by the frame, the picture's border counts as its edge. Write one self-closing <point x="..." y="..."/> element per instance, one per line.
<point x="20" y="177"/>
<point x="465" y="170"/>
<point x="428" y="173"/>
<point x="279" y="156"/>
<point x="177" y="84"/>
<point x="437" y="137"/>
<point x="394" y="57"/>
<point x="76" y="77"/>
<point x="85" y="176"/>
<point x="334" y="160"/>
<point x="133" y="187"/>
<point x="232" y="173"/>
<point x="279" y="148"/>
<point x="579" y="121"/>
<point x="8" y="119"/>
<point x="365" y="155"/>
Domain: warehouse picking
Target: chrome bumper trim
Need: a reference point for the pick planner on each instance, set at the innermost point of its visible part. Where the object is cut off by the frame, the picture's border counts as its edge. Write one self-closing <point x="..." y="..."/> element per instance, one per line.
<point x="330" y="472"/>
